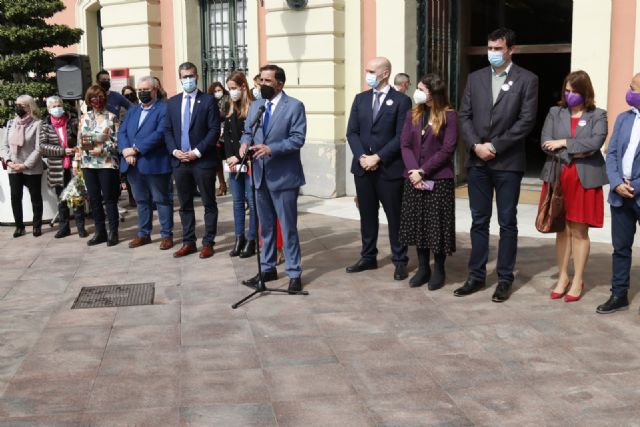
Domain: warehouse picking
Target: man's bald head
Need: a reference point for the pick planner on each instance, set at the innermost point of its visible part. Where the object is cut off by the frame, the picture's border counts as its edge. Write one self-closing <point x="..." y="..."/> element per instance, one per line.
<point x="381" y="67"/>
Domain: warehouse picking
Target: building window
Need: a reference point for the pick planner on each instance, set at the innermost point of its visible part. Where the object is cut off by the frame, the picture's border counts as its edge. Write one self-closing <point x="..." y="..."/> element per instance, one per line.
<point x="224" y="42"/>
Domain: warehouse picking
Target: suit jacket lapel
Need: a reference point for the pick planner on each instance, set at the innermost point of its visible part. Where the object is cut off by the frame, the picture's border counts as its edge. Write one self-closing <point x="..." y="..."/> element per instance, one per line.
<point x="146" y="119"/>
<point x="384" y="106"/>
<point x="195" y="109"/>
<point x="510" y="77"/>
<point x="565" y="122"/>
<point x="282" y="104"/>
<point x="486" y="84"/>
<point x="583" y="119"/>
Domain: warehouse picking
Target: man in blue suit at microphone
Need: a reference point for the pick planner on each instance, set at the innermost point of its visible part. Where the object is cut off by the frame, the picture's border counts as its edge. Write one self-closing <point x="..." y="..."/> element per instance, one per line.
<point x="147" y="163"/>
<point x="278" y="173"/>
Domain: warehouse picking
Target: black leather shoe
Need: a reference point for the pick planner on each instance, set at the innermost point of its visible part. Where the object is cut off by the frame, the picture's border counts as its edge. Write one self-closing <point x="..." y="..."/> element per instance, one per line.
<point x="470" y="286"/>
<point x="97" y="239"/>
<point x="401" y="272"/>
<point x="613" y="304"/>
<point x="237" y="247"/>
<point x="295" y="285"/>
<point x="82" y="232"/>
<point x="267" y="276"/>
<point x="63" y="232"/>
<point x="113" y="240"/>
<point x="20" y="231"/>
<point x="37" y="231"/>
<point x="502" y="292"/>
<point x="362" y="265"/>
<point x="249" y="249"/>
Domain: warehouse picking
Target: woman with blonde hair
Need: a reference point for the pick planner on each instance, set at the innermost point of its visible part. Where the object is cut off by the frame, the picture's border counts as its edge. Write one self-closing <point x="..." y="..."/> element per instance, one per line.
<point x="20" y="152"/>
<point x="240" y="99"/>
<point x="428" y="142"/>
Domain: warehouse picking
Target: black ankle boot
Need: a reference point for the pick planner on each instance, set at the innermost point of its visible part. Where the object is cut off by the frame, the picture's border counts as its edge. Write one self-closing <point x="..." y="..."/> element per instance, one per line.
<point x="99" y="237"/>
<point x="424" y="272"/>
<point x="249" y="249"/>
<point x="113" y="239"/>
<point x="63" y="216"/>
<point x="80" y="223"/>
<point x="62" y="232"/>
<point x="438" y="277"/>
<point x="237" y="247"/>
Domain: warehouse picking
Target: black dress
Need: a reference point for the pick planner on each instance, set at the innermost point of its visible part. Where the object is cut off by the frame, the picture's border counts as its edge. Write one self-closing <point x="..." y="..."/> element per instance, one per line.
<point x="428" y="217"/>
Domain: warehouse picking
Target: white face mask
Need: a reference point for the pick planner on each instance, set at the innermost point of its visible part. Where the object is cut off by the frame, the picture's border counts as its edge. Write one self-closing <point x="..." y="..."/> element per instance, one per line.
<point x="218" y="94"/>
<point x="56" y="112"/>
<point x="420" y="97"/>
<point x="235" y="94"/>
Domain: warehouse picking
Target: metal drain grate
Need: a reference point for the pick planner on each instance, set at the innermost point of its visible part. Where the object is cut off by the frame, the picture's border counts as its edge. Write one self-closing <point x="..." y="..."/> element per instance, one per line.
<point x="115" y="295"/>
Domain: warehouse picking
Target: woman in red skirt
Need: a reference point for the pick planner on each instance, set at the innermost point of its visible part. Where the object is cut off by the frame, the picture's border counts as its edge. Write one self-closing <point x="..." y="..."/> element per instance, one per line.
<point x="574" y="132"/>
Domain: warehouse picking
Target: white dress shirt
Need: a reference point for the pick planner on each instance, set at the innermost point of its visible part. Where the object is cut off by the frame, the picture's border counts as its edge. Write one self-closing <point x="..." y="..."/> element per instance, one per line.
<point x="630" y="153"/>
<point x="191" y="95"/>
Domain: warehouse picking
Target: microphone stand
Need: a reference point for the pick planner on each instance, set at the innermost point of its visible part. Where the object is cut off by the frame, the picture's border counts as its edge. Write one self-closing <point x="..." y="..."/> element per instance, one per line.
<point x="260" y="288"/>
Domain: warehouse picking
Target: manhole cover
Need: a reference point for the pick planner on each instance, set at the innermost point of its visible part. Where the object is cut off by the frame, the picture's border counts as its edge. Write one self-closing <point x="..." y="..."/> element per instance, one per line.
<point x="115" y="295"/>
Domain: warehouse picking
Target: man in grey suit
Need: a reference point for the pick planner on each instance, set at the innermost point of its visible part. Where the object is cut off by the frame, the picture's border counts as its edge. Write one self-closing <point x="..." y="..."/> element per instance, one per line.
<point x="278" y="173"/>
<point x="497" y="113"/>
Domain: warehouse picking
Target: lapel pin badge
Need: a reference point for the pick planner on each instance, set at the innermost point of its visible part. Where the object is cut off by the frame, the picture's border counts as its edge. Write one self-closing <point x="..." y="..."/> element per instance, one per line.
<point x="389" y="102"/>
<point x="505" y="87"/>
<point x="582" y="122"/>
<point x="510" y="82"/>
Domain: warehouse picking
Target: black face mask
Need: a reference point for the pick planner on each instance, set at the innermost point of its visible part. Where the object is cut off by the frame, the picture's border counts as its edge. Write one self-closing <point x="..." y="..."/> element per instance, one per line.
<point x="105" y="84"/>
<point x="131" y="97"/>
<point x="267" y="92"/>
<point x="20" y="111"/>
<point x="144" y="96"/>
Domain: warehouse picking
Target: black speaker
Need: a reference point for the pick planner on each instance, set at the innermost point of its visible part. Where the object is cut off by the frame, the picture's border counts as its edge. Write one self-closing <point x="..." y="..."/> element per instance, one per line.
<point x="73" y="75"/>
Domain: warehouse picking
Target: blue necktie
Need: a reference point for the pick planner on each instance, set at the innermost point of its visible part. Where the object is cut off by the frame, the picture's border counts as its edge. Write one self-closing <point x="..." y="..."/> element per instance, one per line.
<point x="267" y="117"/>
<point x="186" y="121"/>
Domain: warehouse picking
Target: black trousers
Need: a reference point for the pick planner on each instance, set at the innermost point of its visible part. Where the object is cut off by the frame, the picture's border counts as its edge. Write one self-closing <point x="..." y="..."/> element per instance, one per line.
<point x="372" y="190"/>
<point x="63" y="209"/>
<point x="17" y="182"/>
<point x="103" y="186"/>
<point x="482" y="183"/>
<point x="187" y="177"/>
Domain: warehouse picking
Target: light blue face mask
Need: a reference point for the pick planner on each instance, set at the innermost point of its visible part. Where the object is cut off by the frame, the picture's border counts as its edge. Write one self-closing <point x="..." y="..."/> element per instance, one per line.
<point x="56" y="112"/>
<point x="256" y="93"/>
<point x="188" y="84"/>
<point x="372" y="80"/>
<point x="496" y="59"/>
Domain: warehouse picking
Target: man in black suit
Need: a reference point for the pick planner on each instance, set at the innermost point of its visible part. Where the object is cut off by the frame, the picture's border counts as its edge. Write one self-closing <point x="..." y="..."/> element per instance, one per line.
<point x="193" y="128"/>
<point x="373" y="132"/>
<point x="497" y="113"/>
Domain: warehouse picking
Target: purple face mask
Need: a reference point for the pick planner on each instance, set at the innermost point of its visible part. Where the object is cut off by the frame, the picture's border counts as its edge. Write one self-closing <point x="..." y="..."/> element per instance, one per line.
<point x="573" y="99"/>
<point x="633" y="98"/>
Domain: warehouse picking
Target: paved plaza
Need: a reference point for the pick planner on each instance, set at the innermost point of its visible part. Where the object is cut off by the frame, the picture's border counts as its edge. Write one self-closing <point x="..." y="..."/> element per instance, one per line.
<point x="360" y="350"/>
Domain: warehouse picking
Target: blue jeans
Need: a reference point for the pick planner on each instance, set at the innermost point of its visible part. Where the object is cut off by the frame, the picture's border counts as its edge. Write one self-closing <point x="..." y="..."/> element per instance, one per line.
<point x="482" y="182"/>
<point x="623" y="229"/>
<point x="242" y="193"/>
<point x="156" y="189"/>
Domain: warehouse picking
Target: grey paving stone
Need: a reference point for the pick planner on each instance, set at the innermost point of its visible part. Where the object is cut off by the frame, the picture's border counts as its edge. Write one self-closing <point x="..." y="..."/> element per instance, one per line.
<point x="307" y="381"/>
<point x="238" y="415"/>
<point x="323" y="412"/>
<point x="133" y="392"/>
<point x="295" y="351"/>
<point x="230" y="386"/>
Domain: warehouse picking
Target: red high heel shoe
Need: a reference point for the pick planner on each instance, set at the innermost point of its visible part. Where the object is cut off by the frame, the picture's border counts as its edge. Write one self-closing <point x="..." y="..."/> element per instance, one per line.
<point x="558" y="295"/>
<point x="571" y="298"/>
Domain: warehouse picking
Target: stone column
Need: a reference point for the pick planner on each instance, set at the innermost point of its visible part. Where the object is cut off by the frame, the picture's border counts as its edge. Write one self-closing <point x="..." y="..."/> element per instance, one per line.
<point x="131" y="36"/>
<point x="310" y="46"/>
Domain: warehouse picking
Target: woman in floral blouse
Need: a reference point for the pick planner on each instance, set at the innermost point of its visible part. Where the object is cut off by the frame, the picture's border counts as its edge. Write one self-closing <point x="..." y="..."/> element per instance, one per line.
<point x="99" y="163"/>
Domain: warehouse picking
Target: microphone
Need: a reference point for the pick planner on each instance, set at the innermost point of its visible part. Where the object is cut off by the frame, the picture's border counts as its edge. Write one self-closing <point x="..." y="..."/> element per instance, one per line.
<point x="257" y="117"/>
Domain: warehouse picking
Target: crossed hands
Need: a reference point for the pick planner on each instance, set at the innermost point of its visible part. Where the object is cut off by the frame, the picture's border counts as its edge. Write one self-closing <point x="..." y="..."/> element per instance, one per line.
<point x="130" y="156"/>
<point x="370" y="163"/>
<point x="185" y="156"/>
<point x="415" y="178"/>
<point x="625" y="190"/>
<point x="485" y="151"/>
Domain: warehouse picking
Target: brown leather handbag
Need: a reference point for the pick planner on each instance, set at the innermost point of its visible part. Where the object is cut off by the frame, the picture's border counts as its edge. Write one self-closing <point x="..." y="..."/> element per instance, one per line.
<point x="551" y="216"/>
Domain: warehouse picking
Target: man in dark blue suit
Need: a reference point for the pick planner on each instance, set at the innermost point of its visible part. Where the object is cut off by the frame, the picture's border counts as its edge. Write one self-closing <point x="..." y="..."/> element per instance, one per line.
<point x="373" y="132"/>
<point x="623" y="171"/>
<point x="193" y="128"/>
<point x="147" y="164"/>
<point x="278" y="174"/>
